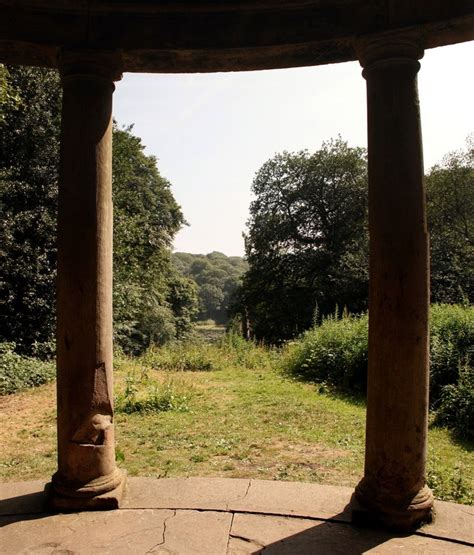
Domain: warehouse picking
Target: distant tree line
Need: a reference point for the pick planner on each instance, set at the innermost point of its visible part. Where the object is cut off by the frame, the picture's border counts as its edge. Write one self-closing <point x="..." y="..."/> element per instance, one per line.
<point x="307" y="240"/>
<point x="217" y="277"/>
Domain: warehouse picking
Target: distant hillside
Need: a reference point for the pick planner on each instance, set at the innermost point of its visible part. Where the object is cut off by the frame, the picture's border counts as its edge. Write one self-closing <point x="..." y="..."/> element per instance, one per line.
<point x="216" y="275"/>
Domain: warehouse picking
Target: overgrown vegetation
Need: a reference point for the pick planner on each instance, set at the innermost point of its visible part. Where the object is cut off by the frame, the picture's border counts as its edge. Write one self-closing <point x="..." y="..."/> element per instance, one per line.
<point x="452" y="367"/>
<point x="198" y="355"/>
<point x="336" y="353"/>
<point x="20" y="372"/>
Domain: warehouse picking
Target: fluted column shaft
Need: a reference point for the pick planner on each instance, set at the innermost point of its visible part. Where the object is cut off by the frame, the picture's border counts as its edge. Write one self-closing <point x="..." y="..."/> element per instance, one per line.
<point x="86" y="450"/>
<point x="393" y="487"/>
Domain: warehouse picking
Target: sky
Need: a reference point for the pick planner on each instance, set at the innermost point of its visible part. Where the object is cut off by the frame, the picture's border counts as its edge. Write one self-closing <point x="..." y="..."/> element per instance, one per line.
<point x="212" y="132"/>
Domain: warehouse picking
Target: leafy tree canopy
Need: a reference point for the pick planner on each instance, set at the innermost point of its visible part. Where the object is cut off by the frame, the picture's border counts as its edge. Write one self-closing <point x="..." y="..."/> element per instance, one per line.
<point x="307" y="242"/>
<point x="29" y="146"/>
<point x="450" y="203"/>
<point x="307" y="239"/>
<point x="152" y="303"/>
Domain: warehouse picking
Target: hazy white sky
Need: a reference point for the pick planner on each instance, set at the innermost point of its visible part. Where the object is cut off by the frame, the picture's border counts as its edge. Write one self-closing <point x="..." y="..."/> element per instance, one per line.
<point x="212" y="132"/>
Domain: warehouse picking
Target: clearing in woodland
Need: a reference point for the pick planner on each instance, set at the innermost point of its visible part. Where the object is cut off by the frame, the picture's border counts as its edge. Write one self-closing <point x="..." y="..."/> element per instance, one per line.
<point x="222" y="410"/>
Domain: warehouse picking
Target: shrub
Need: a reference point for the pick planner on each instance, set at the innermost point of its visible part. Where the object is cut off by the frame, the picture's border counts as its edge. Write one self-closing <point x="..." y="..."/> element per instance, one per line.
<point x="456" y="405"/>
<point x="18" y="372"/>
<point x="451" y="347"/>
<point x="451" y="368"/>
<point x="334" y="352"/>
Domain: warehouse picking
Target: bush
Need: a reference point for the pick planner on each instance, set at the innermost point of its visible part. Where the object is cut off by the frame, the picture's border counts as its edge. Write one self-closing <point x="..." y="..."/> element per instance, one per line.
<point x="18" y="372"/>
<point x="451" y="347"/>
<point x="456" y="405"/>
<point x="334" y="352"/>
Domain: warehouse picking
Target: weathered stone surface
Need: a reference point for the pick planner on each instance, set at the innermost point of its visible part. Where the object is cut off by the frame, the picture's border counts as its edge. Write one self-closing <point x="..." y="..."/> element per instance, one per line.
<point x="284" y="498"/>
<point x="22" y="497"/>
<point x="184" y="493"/>
<point x="295" y="498"/>
<point x="451" y="521"/>
<point x="119" y="532"/>
<point x="280" y="535"/>
<point x="194" y="36"/>
<point x="196" y="532"/>
<point x="393" y="489"/>
<point x="134" y="530"/>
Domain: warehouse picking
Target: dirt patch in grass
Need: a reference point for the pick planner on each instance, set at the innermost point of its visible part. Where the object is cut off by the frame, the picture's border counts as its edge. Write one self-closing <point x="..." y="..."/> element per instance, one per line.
<point x="28" y="434"/>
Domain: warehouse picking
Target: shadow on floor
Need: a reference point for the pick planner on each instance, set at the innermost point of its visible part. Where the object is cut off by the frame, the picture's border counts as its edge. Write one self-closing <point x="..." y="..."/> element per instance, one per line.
<point x="328" y="537"/>
<point x="29" y="506"/>
<point x="275" y="535"/>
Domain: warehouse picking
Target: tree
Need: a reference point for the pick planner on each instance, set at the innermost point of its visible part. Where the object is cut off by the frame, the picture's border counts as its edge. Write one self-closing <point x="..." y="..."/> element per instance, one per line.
<point x="307" y="240"/>
<point x="146" y="218"/>
<point x="29" y="146"/>
<point x="450" y="203"/>
<point x="9" y="96"/>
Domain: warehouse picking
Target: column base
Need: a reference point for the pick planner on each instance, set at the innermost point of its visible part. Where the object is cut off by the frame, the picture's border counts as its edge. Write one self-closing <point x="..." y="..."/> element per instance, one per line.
<point x="86" y="498"/>
<point x="375" y="509"/>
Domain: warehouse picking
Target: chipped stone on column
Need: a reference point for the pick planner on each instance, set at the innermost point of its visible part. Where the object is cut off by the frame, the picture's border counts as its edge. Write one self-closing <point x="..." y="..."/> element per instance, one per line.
<point x="393" y="490"/>
<point x="87" y="476"/>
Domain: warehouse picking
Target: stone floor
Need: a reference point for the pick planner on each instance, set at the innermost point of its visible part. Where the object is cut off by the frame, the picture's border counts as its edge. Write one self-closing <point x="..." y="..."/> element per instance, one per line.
<point x="218" y="516"/>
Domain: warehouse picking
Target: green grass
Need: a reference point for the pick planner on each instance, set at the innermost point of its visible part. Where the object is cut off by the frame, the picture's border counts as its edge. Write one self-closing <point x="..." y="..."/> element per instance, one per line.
<point x="241" y="418"/>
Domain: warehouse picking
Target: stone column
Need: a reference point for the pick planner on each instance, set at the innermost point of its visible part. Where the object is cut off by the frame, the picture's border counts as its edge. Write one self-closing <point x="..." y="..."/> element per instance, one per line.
<point x="393" y="489"/>
<point x="87" y="476"/>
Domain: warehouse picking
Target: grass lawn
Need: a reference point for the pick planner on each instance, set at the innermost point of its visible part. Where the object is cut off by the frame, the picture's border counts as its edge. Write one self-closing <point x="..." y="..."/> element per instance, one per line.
<point x="231" y="421"/>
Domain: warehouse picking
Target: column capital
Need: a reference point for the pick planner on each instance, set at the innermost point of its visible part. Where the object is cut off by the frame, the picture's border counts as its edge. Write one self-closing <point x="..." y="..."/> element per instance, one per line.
<point x="376" y="51"/>
<point x="99" y="64"/>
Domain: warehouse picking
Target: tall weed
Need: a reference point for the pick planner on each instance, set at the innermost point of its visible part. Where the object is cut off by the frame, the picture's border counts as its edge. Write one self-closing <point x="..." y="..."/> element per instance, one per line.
<point x="230" y="350"/>
<point x="181" y="356"/>
<point x="234" y="350"/>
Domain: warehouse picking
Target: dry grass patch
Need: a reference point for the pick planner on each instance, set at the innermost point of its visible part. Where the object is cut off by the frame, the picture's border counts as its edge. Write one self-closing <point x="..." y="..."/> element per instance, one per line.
<point x="28" y="434"/>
